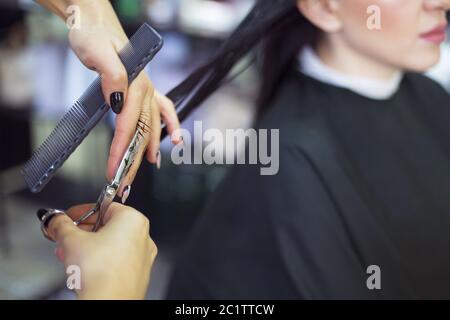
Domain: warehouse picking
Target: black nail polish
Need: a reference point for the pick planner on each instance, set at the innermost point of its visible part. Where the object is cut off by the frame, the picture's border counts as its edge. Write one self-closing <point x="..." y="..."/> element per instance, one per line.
<point x="116" y="102"/>
<point x="40" y="213"/>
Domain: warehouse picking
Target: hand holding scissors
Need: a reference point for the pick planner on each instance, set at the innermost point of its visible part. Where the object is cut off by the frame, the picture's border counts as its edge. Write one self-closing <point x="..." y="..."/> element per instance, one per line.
<point x="108" y="193"/>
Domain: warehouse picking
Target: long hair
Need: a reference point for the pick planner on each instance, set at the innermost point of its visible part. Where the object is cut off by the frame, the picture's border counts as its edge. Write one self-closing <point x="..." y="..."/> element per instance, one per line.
<point x="275" y="29"/>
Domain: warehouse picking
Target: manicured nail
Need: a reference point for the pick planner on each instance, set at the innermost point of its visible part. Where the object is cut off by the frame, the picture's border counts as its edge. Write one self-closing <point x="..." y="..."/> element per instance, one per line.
<point x="158" y="160"/>
<point x="126" y="194"/>
<point x="40" y="213"/>
<point x="176" y="137"/>
<point x="180" y="141"/>
<point x="116" y="102"/>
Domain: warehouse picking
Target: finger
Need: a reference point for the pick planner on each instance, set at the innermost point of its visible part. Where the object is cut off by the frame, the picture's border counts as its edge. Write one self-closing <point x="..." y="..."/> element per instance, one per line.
<point x="153" y="151"/>
<point x="119" y="218"/>
<point x="61" y="228"/>
<point x="145" y="132"/>
<point x="87" y="227"/>
<point x="126" y="122"/>
<point x="59" y="253"/>
<point x="169" y="116"/>
<point x="114" y="77"/>
<point x="77" y="212"/>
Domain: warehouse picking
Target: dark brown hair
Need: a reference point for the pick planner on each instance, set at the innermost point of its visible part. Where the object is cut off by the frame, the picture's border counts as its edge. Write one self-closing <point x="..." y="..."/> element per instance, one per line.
<point x="274" y="31"/>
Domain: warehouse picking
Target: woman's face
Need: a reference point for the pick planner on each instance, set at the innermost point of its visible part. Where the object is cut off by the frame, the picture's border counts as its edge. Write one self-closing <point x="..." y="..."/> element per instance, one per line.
<point x="410" y="33"/>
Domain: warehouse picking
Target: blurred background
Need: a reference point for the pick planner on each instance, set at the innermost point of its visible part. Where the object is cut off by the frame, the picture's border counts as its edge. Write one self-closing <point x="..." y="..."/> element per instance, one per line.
<point x="40" y="78"/>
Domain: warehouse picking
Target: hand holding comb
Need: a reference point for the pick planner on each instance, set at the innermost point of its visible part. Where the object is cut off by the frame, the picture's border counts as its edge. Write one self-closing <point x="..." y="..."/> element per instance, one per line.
<point x="87" y="111"/>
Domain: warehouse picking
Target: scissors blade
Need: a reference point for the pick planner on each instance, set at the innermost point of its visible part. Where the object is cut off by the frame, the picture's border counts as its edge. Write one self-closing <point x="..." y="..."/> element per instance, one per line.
<point x="110" y="190"/>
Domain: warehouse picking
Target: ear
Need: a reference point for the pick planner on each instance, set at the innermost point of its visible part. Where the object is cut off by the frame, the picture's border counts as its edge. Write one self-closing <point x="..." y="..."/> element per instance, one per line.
<point x="322" y="13"/>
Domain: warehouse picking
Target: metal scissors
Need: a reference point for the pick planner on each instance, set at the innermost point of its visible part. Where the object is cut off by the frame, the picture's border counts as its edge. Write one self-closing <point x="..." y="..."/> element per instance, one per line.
<point x="109" y="190"/>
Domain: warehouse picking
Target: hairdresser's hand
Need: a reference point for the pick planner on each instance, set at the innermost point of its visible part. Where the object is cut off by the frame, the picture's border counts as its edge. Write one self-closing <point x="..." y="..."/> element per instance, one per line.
<point x="115" y="261"/>
<point x="97" y="37"/>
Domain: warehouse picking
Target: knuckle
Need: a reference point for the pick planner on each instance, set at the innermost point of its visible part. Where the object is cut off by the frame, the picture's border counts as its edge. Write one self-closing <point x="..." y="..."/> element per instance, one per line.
<point x="145" y="222"/>
<point x="115" y="207"/>
<point x="153" y="248"/>
<point x="88" y="60"/>
<point x="118" y="76"/>
<point x="141" y="222"/>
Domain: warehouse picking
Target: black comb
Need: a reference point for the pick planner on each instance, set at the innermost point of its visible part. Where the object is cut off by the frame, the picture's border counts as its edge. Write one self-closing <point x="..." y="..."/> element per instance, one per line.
<point x="87" y="112"/>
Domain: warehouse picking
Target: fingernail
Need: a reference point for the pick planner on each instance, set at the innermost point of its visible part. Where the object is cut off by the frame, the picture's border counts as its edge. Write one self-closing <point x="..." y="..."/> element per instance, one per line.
<point x="116" y="102"/>
<point x="158" y="160"/>
<point x="126" y="194"/>
<point x="180" y="141"/>
<point x="40" y="213"/>
<point x="176" y="137"/>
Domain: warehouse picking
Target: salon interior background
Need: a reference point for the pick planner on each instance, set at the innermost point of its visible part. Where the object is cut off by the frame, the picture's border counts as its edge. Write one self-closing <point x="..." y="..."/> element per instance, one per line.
<point x="40" y="78"/>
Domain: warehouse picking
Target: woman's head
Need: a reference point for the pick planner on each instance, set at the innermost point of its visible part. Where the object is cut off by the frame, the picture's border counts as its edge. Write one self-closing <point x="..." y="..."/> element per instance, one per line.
<point x="401" y="34"/>
<point x="339" y="29"/>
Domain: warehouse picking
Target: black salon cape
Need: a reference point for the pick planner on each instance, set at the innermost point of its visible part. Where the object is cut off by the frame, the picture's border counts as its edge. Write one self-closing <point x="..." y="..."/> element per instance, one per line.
<point x="361" y="182"/>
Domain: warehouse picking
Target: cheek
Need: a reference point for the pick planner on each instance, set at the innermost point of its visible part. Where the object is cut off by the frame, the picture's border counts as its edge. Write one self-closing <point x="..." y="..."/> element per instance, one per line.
<point x="397" y="42"/>
<point x="399" y="21"/>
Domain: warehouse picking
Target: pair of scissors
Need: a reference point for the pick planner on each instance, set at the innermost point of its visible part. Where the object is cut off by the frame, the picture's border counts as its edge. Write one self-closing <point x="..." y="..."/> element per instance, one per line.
<point x="108" y="193"/>
<point x="110" y="190"/>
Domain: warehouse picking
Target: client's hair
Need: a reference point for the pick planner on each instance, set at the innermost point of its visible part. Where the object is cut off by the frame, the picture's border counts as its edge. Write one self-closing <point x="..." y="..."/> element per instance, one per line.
<point x="276" y="29"/>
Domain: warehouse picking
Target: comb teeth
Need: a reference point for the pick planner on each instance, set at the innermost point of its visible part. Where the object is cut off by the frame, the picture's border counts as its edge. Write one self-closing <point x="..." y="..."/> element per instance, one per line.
<point x="87" y="112"/>
<point x="57" y="147"/>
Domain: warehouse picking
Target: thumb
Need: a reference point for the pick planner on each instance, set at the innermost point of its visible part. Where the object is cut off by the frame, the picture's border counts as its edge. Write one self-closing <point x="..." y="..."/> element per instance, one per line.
<point x="114" y="77"/>
<point x="61" y="228"/>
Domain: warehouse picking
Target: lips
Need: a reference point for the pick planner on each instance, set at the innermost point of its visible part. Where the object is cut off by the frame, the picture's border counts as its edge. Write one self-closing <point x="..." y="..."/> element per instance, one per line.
<point x="436" y="35"/>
